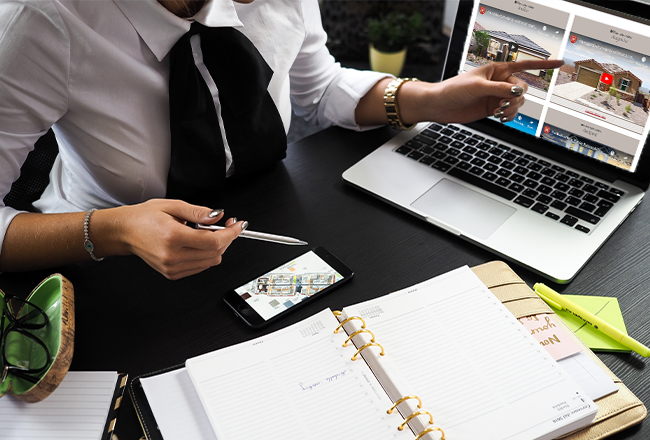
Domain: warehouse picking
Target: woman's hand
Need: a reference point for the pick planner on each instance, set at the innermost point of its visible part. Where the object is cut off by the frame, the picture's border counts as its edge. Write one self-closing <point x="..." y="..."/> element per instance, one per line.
<point x="156" y="231"/>
<point x="490" y="90"/>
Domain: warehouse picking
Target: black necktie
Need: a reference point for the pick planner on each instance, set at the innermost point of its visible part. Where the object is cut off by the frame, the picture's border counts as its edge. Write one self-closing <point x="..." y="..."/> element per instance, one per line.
<point x="253" y="126"/>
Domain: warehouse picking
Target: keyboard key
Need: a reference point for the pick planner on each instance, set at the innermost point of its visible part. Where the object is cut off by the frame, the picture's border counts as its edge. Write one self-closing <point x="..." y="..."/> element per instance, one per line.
<point x="562" y="177"/>
<point x="470" y="150"/>
<point x="576" y="183"/>
<point x="517" y="178"/>
<point x="591" y="189"/>
<point x="590" y="199"/>
<point x="530" y="183"/>
<point x="601" y="211"/>
<point x="453" y="152"/>
<point x="476" y="171"/>
<point x="573" y="201"/>
<point x="495" y="160"/>
<point x="447" y="131"/>
<point x="582" y="215"/>
<point x="517" y="152"/>
<point x="548" y="181"/>
<point x="572" y="174"/>
<point x="446" y="140"/>
<point x="607" y="195"/>
<point x="495" y="151"/>
<point x="490" y="176"/>
<point x="534" y="175"/>
<point x="548" y="172"/>
<point x="552" y="215"/>
<point x="490" y="142"/>
<point x="440" y="165"/>
<point x="504" y="147"/>
<point x="427" y="160"/>
<point x="459" y="136"/>
<point x="544" y="189"/>
<point x="466" y="132"/>
<point x="521" y="161"/>
<point x="543" y="163"/>
<point x="587" y="207"/>
<point x="530" y="158"/>
<point x="483" y="184"/>
<point x="535" y="166"/>
<point x="458" y="144"/>
<point x="503" y="181"/>
<point x="404" y="150"/>
<point x="464" y="166"/>
<point x="451" y="160"/>
<point x="415" y="155"/>
<point x="559" y="195"/>
<point x="425" y="140"/>
<point x="616" y="191"/>
<point x="482" y="154"/>
<point x="576" y="192"/>
<point x="516" y="187"/>
<point x="508" y="165"/>
<point x="427" y="150"/>
<point x="478" y="162"/>
<point x="440" y="146"/>
<point x="453" y="127"/>
<point x="471" y="141"/>
<point x="558" y="205"/>
<point x="562" y="187"/>
<point x="483" y="146"/>
<point x="524" y="201"/>
<point x="466" y="157"/>
<point x="582" y="229"/>
<point x="438" y="154"/>
<point x="521" y="170"/>
<point x="601" y="185"/>
<point x="509" y="156"/>
<point x="557" y="168"/>
<point x="569" y="220"/>
<point x="540" y="207"/>
<point x="491" y="167"/>
<point x="434" y="127"/>
<point x="543" y="198"/>
<point x="478" y="136"/>
<point x="503" y="173"/>
<point x="530" y="193"/>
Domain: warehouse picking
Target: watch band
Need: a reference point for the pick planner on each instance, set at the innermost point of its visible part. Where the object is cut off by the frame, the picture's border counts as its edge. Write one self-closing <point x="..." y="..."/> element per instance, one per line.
<point x="390" y="103"/>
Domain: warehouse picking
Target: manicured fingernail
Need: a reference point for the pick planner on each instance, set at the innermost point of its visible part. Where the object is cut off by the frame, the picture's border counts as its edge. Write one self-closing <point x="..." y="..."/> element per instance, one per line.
<point x="234" y="219"/>
<point x="498" y="113"/>
<point x="504" y="119"/>
<point x="244" y="226"/>
<point x="517" y="90"/>
<point x="215" y="213"/>
<point x="505" y="104"/>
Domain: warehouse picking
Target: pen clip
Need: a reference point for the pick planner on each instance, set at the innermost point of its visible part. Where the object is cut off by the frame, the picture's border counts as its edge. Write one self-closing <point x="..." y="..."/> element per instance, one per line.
<point x="547" y="300"/>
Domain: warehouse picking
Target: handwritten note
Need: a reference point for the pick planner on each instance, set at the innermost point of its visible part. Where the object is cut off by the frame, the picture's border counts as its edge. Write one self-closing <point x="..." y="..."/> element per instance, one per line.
<point x="551" y="336"/>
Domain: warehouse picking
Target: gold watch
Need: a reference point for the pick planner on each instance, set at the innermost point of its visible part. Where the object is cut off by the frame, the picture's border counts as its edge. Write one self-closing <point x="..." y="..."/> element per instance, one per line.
<point x="390" y="102"/>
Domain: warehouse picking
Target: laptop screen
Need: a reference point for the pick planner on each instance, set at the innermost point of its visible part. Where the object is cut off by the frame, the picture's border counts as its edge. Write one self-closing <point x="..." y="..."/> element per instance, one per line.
<point x="597" y="104"/>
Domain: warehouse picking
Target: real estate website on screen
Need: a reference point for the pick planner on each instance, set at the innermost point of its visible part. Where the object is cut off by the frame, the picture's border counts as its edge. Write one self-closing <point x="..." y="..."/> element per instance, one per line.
<point x="597" y="103"/>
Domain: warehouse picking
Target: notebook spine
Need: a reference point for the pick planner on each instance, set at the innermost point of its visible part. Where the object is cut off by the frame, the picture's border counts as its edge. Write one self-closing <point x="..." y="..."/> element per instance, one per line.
<point x="122" y="379"/>
<point x="373" y="343"/>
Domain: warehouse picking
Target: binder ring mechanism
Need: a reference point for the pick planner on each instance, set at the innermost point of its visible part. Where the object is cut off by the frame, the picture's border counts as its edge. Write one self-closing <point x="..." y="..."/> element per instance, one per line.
<point x="363" y="330"/>
<point x="415" y="414"/>
<point x="363" y="325"/>
<point x="428" y="430"/>
<point x="403" y="399"/>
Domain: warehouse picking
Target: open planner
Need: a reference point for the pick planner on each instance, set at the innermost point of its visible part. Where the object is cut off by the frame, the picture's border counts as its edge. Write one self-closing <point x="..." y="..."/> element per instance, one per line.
<point x="441" y="359"/>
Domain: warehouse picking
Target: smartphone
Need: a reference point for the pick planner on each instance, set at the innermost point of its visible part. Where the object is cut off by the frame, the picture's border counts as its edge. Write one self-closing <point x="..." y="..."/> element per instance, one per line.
<point x="287" y="287"/>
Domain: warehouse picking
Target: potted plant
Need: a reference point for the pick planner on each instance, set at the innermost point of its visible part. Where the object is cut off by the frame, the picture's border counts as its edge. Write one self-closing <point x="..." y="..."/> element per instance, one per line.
<point x="389" y="38"/>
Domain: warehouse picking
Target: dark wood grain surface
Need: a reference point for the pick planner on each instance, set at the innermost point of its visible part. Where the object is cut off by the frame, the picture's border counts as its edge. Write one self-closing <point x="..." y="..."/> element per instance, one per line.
<point x="130" y="319"/>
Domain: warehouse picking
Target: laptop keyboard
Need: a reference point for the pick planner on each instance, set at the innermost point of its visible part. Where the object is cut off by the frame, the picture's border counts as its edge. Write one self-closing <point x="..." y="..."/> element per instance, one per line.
<point x="552" y="191"/>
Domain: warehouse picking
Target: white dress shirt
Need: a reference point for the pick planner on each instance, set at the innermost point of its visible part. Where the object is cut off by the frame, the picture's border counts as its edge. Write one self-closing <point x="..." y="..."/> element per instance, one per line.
<point x="97" y="72"/>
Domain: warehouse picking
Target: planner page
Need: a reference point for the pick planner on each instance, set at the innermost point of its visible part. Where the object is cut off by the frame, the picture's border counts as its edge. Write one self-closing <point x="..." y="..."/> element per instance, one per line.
<point x="476" y="369"/>
<point x="296" y="383"/>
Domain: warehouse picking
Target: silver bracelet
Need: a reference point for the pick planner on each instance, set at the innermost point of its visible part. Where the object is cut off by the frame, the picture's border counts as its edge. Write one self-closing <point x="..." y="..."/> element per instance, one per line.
<point x="88" y="245"/>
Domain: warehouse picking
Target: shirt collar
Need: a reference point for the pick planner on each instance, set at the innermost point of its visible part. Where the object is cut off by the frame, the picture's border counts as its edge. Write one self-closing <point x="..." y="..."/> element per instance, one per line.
<point x="160" y="29"/>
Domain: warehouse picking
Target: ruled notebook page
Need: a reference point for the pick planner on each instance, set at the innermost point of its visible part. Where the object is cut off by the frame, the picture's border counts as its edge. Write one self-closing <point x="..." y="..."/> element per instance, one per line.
<point x="77" y="409"/>
<point x="296" y="383"/>
<point x="476" y="368"/>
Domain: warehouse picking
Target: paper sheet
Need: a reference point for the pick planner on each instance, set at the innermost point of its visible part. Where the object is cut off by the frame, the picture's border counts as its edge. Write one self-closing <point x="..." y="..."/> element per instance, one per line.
<point x="604" y="307"/>
<point x="77" y="409"/>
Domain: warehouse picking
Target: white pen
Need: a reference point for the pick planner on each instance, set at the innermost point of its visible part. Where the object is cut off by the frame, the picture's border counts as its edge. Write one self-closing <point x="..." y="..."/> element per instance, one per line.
<point x="258" y="235"/>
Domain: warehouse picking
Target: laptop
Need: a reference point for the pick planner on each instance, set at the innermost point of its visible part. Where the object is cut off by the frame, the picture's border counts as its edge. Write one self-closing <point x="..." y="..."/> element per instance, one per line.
<point x="547" y="189"/>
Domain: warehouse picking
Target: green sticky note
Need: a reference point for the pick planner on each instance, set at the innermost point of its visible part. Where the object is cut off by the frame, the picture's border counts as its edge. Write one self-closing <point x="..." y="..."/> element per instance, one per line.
<point x="604" y="307"/>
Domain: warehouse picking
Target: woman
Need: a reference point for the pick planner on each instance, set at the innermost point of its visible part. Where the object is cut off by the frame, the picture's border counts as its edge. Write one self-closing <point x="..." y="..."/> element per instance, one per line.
<point x="98" y="73"/>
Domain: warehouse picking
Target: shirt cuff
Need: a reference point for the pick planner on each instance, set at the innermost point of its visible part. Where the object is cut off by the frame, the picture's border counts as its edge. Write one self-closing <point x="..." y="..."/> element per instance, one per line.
<point x="343" y="97"/>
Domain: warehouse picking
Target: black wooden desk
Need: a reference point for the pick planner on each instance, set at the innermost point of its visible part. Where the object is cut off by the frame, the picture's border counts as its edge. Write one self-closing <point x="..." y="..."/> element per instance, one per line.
<point x="131" y="319"/>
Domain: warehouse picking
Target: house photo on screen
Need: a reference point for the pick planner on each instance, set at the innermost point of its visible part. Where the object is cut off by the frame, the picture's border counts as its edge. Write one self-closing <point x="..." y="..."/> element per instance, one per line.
<point x="514" y="31"/>
<point x="606" y="75"/>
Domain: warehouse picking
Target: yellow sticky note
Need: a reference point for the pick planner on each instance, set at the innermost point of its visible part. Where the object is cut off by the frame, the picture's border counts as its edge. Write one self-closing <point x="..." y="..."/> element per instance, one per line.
<point x="604" y="307"/>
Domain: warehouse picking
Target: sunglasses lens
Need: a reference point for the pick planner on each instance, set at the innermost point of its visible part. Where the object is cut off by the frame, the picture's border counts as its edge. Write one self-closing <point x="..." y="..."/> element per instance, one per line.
<point x="25" y="352"/>
<point x="29" y="316"/>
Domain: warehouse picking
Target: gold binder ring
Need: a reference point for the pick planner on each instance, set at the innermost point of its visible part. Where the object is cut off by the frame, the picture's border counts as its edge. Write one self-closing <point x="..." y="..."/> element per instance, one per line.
<point x="336" y="313"/>
<point x="392" y="408"/>
<point x="415" y="414"/>
<point x="370" y="344"/>
<point x="428" y="430"/>
<point x="348" y="320"/>
<point x="363" y="330"/>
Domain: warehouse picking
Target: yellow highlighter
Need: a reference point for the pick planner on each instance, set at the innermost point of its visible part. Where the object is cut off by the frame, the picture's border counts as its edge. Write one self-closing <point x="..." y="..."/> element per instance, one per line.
<point x="555" y="300"/>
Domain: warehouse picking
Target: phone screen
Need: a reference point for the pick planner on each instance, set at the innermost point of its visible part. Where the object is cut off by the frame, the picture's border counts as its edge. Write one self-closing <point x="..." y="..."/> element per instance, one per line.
<point x="286" y="286"/>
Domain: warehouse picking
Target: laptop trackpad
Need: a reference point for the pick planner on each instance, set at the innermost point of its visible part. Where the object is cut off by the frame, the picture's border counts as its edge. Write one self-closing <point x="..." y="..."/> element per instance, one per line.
<point x="463" y="209"/>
